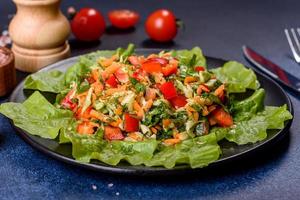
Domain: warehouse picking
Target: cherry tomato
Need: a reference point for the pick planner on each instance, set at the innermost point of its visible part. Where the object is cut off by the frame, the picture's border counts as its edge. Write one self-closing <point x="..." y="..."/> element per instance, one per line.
<point x="123" y="18"/>
<point x="88" y="24"/>
<point x="161" y="25"/>
<point x="131" y="123"/>
<point x="168" y="90"/>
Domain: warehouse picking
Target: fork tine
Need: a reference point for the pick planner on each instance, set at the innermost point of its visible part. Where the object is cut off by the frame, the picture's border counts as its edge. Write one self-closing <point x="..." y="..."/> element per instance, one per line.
<point x="295" y="38"/>
<point x="296" y="56"/>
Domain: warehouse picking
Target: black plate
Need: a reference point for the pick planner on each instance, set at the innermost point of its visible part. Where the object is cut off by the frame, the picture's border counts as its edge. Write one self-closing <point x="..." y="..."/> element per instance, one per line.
<point x="275" y="96"/>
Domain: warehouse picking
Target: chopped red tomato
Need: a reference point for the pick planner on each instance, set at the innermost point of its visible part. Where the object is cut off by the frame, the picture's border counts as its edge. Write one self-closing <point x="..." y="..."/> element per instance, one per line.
<point x="222" y="117"/>
<point x="178" y="101"/>
<point x="67" y="101"/>
<point x="122" y="76"/>
<point x="161" y="61"/>
<point x="199" y="68"/>
<point x="151" y="67"/>
<point x="112" y="81"/>
<point x="113" y="133"/>
<point x="131" y="123"/>
<point x="86" y="128"/>
<point x="168" y="90"/>
<point x="169" y="70"/>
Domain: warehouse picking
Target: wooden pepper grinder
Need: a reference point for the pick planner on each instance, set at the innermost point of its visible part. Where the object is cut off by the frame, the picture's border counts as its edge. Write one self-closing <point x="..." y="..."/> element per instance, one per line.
<point x="39" y="32"/>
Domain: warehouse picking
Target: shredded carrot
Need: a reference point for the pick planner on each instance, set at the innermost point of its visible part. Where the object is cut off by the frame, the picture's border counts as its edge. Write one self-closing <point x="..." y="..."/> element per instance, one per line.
<point x="148" y="105"/>
<point x="119" y="110"/>
<point x="139" y="110"/>
<point x="99" y="116"/>
<point x="189" y="108"/>
<point x="172" y="141"/>
<point x="199" y="90"/>
<point x="112" y="68"/>
<point x="104" y="118"/>
<point x="157" y="127"/>
<point x="220" y="90"/>
<point x="95" y="74"/>
<point x="107" y="62"/>
<point x="189" y="79"/>
<point x="116" y="123"/>
<point x="135" y="136"/>
<point x="176" y="135"/>
<point x="205" y="111"/>
<point x="114" y="90"/>
<point x="204" y="88"/>
<point x="150" y="94"/>
<point x="98" y="87"/>
<point x="153" y="130"/>
<point x="166" y="122"/>
<point x="196" y="116"/>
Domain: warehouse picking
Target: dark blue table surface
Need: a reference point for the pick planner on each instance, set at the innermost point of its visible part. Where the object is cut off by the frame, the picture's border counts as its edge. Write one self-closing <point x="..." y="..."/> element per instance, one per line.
<point x="220" y="28"/>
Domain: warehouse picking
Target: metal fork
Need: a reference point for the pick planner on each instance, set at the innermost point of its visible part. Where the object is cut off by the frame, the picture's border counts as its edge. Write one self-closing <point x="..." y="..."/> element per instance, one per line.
<point x="293" y="41"/>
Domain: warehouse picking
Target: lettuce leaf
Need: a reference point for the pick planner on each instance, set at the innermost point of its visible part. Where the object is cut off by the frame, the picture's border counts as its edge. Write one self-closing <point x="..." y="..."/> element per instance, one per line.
<point x="245" y="109"/>
<point x="196" y="152"/>
<point x="86" y="148"/>
<point x="255" y="129"/>
<point x="37" y="116"/>
<point x="237" y="77"/>
<point x="48" y="81"/>
<point x="191" y="58"/>
<point x="56" y="81"/>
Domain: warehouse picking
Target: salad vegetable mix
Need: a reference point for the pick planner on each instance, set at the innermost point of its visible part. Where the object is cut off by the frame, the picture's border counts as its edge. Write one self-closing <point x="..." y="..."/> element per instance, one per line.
<point x="162" y="109"/>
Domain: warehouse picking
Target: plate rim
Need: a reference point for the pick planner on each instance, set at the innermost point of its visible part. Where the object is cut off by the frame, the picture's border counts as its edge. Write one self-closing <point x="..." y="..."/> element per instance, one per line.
<point x="143" y="170"/>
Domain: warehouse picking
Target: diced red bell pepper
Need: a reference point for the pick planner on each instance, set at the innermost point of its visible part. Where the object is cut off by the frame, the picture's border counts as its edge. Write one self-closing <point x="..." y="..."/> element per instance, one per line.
<point x="161" y="61"/>
<point x="131" y="123"/>
<point x="122" y="76"/>
<point x="199" y="68"/>
<point x="85" y="128"/>
<point x="112" y="81"/>
<point x="151" y="67"/>
<point x="222" y="117"/>
<point x="67" y="101"/>
<point x="178" y="101"/>
<point x="169" y="70"/>
<point x="113" y="133"/>
<point x="168" y="90"/>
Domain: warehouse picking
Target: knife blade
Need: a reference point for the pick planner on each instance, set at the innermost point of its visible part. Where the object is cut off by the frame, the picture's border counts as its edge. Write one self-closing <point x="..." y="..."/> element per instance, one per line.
<point x="272" y="69"/>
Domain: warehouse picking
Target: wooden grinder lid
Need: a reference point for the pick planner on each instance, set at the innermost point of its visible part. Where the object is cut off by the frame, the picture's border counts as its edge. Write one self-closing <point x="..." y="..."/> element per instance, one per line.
<point x="7" y="71"/>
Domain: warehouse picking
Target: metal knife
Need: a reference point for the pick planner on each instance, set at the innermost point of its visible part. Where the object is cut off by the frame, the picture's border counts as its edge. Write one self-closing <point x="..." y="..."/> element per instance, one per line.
<point x="272" y="69"/>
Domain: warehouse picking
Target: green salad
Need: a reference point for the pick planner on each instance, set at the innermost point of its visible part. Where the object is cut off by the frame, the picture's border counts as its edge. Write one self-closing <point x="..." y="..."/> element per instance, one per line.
<point x="163" y="109"/>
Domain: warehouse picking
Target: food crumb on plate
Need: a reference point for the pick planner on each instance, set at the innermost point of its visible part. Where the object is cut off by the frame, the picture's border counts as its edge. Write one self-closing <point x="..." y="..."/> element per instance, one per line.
<point x="94" y="187"/>
<point x="110" y="185"/>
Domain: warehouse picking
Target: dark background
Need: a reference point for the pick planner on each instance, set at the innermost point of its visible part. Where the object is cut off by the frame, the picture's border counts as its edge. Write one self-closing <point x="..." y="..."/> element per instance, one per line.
<point x="220" y="28"/>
